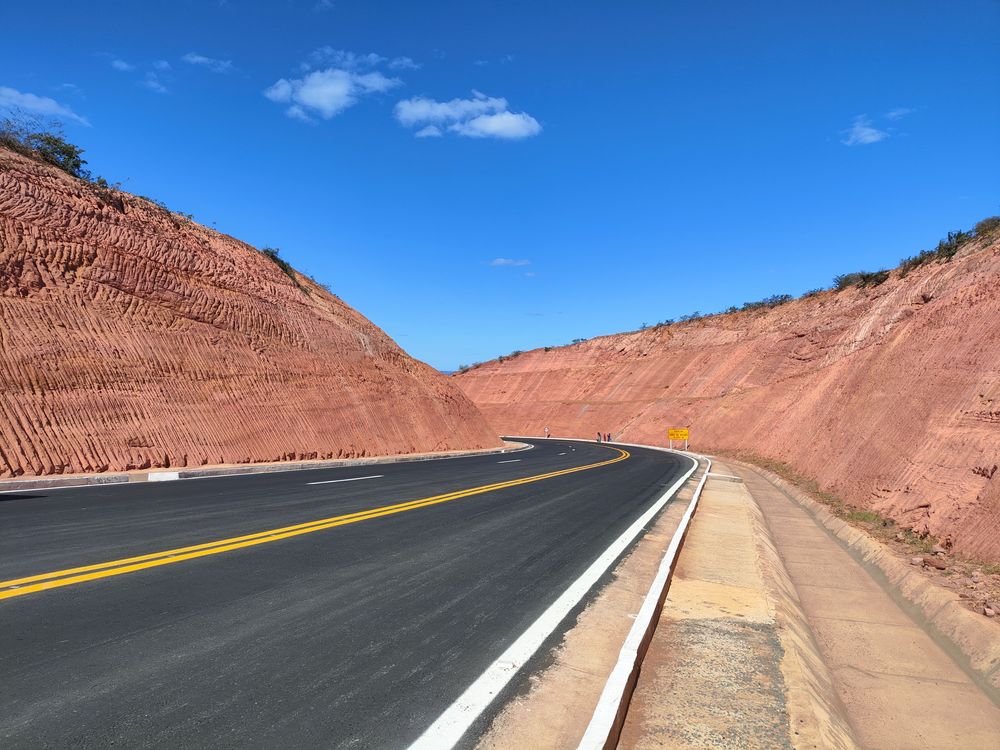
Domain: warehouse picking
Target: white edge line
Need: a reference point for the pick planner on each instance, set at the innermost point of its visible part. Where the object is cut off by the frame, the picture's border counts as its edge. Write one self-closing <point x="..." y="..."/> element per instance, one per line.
<point x="609" y="706"/>
<point x="349" y="479"/>
<point x="509" y="461"/>
<point x="450" y="726"/>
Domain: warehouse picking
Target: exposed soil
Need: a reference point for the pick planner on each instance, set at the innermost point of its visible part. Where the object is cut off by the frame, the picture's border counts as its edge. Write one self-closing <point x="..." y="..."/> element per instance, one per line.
<point x="132" y="337"/>
<point x="888" y="396"/>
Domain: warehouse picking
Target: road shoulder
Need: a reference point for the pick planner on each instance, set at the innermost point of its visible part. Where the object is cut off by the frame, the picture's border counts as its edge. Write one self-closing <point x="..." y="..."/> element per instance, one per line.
<point x="732" y="663"/>
<point x="555" y="707"/>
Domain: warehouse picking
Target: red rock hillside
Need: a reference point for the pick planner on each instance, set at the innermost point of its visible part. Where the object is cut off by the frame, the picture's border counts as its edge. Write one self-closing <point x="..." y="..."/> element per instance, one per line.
<point x="887" y="396"/>
<point x="132" y="337"/>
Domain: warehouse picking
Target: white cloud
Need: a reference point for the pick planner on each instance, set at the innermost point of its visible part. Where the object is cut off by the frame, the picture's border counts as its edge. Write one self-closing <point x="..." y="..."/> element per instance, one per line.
<point x="14" y="100"/>
<point x="121" y="65"/>
<point x="216" y="66"/>
<point x="899" y="113"/>
<point x="431" y="131"/>
<point x="323" y="5"/>
<point x="479" y="117"/>
<point x="420" y="109"/>
<point x="153" y="83"/>
<point x="161" y="65"/>
<point x="328" y="92"/>
<point x="510" y="125"/>
<point x="862" y="133"/>
<point x="509" y="262"/>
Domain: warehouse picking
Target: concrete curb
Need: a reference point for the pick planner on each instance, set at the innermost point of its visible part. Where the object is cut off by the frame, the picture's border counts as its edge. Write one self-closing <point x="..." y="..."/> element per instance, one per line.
<point x="604" y="729"/>
<point x="166" y="475"/>
<point x="972" y="640"/>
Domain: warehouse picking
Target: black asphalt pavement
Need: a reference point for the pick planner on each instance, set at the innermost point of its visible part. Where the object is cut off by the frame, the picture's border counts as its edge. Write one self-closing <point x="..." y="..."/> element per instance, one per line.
<point x="354" y="636"/>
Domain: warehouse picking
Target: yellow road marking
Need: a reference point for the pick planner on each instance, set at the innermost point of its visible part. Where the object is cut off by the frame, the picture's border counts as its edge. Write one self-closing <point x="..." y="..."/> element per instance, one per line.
<point x="69" y="576"/>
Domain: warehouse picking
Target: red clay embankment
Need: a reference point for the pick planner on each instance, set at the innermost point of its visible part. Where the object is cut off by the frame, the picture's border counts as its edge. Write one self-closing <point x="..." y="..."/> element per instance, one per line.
<point x="887" y="396"/>
<point x="131" y="337"/>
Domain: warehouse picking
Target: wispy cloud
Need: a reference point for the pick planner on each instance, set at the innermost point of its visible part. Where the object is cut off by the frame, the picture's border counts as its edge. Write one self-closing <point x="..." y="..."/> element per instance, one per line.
<point x="509" y="262"/>
<point x="899" y="113"/>
<point x="501" y="60"/>
<point x="161" y="65"/>
<point x="211" y="63"/>
<point x="431" y="131"/>
<point x="863" y="132"/>
<point x="121" y="65"/>
<point x="403" y="63"/>
<point x="70" y="87"/>
<point x="326" y="93"/>
<point x="152" y="82"/>
<point x="323" y="5"/>
<point x="13" y="100"/>
<point x="330" y="57"/>
<point x="481" y="116"/>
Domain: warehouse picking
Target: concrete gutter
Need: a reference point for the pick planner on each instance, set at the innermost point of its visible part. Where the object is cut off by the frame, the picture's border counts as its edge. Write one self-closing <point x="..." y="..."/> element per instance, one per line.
<point x="167" y="475"/>
<point x="972" y="640"/>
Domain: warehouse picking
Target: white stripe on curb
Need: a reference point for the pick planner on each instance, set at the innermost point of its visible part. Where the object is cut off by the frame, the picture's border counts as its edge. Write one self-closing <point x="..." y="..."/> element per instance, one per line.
<point x="609" y="715"/>
<point x="450" y="726"/>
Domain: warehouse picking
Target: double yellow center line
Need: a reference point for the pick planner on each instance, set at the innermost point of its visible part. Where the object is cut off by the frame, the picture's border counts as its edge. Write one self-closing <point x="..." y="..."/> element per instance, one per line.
<point x="70" y="576"/>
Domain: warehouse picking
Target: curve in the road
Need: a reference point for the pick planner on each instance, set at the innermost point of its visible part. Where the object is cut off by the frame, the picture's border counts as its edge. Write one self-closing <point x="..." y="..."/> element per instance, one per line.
<point x="70" y="576"/>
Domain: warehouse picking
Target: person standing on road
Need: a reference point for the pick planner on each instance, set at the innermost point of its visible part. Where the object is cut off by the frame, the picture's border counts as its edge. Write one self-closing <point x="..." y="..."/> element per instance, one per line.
<point x="546" y="432"/>
<point x="598" y="437"/>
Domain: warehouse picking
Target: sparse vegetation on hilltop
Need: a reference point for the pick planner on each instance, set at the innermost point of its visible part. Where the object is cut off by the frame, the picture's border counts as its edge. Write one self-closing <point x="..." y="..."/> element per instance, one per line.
<point x="946" y="250"/>
<point x="47" y="143"/>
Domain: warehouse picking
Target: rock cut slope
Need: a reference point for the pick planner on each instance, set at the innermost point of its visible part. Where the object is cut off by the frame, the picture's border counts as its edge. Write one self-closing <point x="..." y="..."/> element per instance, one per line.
<point x="131" y="337"/>
<point x="887" y="396"/>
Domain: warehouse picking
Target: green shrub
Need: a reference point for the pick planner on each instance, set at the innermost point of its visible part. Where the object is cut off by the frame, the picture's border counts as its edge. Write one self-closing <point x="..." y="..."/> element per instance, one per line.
<point x="768" y="302"/>
<point x="860" y="279"/>
<point x="987" y="226"/>
<point x="275" y="255"/>
<point x="45" y="143"/>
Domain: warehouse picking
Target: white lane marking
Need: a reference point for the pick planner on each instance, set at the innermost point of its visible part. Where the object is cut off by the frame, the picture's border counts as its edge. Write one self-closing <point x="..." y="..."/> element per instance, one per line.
<point x="561" y="454"/>
<point x="351" y="479"/>
<point x="509" y="461"/>
<point x="450" y="726"/>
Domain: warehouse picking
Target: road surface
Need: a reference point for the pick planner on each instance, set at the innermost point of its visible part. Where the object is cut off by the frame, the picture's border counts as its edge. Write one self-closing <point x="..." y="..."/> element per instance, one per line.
<point x="339" y="607"/>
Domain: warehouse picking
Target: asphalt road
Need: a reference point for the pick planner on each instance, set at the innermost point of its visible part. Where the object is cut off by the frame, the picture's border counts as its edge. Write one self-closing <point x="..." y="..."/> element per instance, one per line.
<point x="357" y="634"/>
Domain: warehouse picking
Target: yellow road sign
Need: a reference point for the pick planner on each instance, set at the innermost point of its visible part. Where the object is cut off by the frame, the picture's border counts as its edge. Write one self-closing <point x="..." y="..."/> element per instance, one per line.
<point x="678" y="434"/>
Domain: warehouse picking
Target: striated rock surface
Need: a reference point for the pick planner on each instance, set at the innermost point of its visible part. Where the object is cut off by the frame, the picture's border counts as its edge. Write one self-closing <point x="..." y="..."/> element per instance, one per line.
<point x="131" y="337"/>
<point x="889" y="397"/>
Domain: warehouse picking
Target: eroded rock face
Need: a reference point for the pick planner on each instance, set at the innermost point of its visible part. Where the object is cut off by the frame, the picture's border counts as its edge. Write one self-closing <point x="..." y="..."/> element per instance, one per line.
<point x="131" y="337"/>
<point x="889" y="397"/>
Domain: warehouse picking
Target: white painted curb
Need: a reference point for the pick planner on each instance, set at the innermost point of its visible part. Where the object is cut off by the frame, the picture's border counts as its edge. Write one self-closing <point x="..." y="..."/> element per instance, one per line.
<point x="163" y="476"/>
<point x="609" y="716"/>
<point x="448" y="729"/>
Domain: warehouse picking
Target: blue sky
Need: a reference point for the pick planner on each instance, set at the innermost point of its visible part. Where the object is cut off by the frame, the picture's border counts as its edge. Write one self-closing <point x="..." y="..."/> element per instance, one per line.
<point x="482" y="177"/>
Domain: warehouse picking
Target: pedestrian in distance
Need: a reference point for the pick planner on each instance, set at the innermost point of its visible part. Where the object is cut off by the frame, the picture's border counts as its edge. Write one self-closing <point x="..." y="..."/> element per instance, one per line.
<point x="598" y="437"/>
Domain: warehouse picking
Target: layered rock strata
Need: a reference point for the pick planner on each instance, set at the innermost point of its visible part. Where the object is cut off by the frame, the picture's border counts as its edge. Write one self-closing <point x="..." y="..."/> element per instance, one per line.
<point x="132" y="337"/>
<point x="887" y="396"/>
